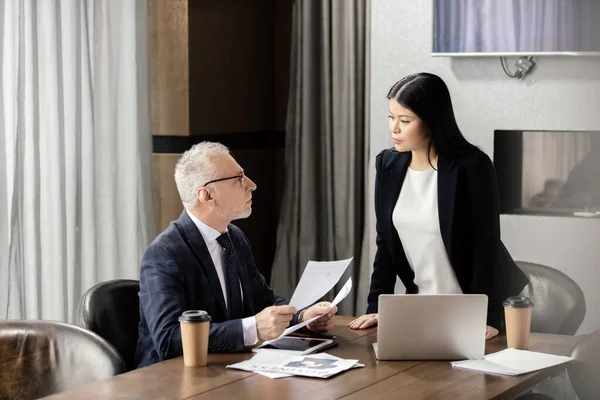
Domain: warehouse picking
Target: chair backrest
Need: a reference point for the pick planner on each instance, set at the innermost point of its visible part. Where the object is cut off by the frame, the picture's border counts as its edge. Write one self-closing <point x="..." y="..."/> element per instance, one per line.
<point x="111" y="309"/>
<point x="559" y="304"/>
<point x="40" y="358"/>
<point x="584" y="370"/>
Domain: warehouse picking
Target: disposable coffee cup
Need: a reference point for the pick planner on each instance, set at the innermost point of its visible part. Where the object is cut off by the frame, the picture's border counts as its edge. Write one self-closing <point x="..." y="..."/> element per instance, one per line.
<point x="194" y="336"/>
<point x="517" y="313"/>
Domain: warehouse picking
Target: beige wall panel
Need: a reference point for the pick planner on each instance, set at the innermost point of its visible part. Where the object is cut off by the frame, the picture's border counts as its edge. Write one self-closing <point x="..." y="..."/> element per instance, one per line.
<point x="167" y="204"/>
<point x="169" y="67"/>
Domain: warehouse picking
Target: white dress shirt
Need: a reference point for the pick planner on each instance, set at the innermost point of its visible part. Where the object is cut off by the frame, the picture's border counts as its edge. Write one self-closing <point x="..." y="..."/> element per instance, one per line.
<point x="210" y="236"/>
<point x="417" y="222"/>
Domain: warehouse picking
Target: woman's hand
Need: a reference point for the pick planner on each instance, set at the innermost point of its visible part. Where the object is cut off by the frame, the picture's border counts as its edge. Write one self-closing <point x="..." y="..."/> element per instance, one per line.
<point x="490" y="332"/>
<point x="364" y="322"/>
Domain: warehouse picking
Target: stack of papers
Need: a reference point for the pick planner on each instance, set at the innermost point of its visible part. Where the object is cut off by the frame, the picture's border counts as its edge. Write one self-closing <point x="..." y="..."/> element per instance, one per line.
<point x="512" y="362"/>
<point x="278" y="365"/>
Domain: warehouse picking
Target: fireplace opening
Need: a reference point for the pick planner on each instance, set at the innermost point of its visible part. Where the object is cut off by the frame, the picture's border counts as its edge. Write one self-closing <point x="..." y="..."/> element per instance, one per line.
<point x="548" y="172"/>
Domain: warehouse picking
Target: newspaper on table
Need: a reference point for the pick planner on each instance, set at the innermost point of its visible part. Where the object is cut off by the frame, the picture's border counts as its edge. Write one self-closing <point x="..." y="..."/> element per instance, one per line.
<point x="278" y="365"/>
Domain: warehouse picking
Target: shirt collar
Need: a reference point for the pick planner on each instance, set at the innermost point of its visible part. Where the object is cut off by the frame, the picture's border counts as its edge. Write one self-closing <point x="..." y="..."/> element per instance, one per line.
<point x="208" y="233"/>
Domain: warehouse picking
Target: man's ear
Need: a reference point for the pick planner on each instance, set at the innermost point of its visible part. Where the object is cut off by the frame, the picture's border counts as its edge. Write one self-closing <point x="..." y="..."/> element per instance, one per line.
<point x="205" y="195"/>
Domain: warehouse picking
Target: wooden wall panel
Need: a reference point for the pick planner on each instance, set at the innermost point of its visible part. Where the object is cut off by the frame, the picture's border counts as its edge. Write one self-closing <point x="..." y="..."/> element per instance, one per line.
<point x="167" y="204"/>
<point x="231" y="66"/>
<point x="169" y="71"/>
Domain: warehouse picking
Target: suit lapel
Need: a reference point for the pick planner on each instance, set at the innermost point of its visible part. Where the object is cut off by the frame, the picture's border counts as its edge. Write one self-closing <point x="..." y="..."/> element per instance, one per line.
<point x="196" y="243"/>
<point x="391" y="186"/>
<point x="246" y="289"/>
<point x="447" y="177"/>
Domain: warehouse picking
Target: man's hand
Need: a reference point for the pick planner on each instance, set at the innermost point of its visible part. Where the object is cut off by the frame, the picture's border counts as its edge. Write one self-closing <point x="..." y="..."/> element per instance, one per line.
<point x="324" y="323"/>
<point x="272" y="321"/>
<point x="364" y="322"/>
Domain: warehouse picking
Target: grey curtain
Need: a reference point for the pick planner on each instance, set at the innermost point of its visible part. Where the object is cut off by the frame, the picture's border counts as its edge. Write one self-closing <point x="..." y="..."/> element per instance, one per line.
<point x="323" y="210"/>
<point x="76" y="151"/>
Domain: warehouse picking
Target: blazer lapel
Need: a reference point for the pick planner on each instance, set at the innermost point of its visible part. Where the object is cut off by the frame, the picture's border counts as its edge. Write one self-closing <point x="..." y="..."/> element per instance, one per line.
<point x="391" y="186"/>
<point x="447" y="178"/>
<point x="196" y="242"/>
<point x="246" y="289"/>
<point x="246" y="285"/>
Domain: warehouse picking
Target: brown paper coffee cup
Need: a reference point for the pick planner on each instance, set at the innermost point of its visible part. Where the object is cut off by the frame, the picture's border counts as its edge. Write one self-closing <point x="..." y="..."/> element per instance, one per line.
<point x="194" y="337"/>
<point x="517" y="313"/>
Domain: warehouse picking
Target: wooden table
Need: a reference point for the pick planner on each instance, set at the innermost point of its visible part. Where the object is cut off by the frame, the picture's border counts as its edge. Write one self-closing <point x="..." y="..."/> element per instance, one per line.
<point x="378" y="379"/>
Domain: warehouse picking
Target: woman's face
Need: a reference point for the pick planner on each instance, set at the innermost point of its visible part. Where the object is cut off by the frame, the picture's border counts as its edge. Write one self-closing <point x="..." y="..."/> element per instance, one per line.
<point x="408" y="130"/>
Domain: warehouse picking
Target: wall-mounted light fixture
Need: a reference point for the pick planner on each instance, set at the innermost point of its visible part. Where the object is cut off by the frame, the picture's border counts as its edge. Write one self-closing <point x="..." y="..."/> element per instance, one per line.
<point x="524" y="65"/>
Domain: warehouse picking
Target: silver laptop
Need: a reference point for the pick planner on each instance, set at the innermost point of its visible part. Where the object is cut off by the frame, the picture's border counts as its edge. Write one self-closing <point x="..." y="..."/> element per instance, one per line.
<point x="431" y="327"/>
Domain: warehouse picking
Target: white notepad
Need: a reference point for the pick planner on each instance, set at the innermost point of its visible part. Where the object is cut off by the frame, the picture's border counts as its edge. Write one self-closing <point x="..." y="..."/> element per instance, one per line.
<point x="512" y="362"/>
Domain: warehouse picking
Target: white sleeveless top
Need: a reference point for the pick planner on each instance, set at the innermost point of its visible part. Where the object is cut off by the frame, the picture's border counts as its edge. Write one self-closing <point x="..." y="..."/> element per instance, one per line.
<point x="417" y="222"/>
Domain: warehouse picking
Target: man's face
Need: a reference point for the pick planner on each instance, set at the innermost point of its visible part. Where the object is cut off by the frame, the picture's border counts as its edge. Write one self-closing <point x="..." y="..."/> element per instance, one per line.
<point x="232" y="197"/>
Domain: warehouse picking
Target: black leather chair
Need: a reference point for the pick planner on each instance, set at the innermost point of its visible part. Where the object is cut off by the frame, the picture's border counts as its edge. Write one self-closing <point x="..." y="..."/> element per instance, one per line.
<point x="41" y="358"/>
<point x="111" y="309"/>
<point x="559" y="304"/>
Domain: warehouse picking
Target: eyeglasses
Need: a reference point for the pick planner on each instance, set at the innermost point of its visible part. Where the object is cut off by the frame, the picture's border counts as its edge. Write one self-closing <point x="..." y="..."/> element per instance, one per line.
<point x="240" y="177"/>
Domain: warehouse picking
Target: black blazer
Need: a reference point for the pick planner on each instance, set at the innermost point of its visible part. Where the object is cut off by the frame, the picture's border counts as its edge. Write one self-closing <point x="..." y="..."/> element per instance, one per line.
<point x="468" y="207"/>
<point x="177" y="274"/>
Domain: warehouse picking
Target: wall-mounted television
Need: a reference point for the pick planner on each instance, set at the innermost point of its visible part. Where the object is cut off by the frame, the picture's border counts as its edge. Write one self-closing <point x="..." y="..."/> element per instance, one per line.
<point x="516" y="27"/>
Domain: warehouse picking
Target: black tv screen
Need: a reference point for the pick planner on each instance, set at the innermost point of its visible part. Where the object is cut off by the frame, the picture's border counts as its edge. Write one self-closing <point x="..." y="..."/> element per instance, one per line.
<point x="509" y="27"/>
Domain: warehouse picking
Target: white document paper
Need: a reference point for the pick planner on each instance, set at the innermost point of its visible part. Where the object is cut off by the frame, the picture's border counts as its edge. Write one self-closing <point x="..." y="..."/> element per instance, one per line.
<point x="512" y="362"/>
<point x="345" y="291"/>
<point x="318" y="278"/>
<point x="340" y="296"/>
<point x="320" y="365"/>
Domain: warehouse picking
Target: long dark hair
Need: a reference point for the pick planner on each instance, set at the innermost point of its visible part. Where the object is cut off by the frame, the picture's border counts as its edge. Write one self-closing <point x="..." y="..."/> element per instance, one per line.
<point x="427" y="96"/>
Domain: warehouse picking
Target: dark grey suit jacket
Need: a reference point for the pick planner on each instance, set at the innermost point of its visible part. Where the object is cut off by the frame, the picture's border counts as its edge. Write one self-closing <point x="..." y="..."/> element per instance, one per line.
<point x="177" y="274"/>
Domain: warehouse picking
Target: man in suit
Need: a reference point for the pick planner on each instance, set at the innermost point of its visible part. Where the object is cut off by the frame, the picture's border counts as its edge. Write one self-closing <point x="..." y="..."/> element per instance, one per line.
<point x="202" y="262"/>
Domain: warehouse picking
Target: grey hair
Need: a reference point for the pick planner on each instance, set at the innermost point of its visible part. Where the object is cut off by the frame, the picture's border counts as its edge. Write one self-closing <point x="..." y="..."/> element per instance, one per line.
<point x="195" y="168"/>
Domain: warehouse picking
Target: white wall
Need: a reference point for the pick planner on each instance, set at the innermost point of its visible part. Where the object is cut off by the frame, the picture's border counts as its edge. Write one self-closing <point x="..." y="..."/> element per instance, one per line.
<point x="562" y="94"/>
